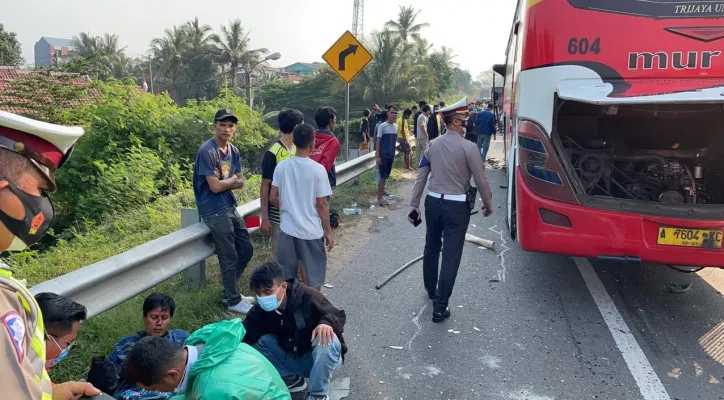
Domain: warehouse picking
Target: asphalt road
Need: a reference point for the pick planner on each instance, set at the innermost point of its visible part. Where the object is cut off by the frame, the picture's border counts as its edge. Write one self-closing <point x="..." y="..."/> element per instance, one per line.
<point x="524" y="325"/>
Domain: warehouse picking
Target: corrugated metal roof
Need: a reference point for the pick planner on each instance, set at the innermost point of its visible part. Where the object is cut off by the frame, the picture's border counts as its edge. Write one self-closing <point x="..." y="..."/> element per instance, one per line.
<point x="58" y="42"/>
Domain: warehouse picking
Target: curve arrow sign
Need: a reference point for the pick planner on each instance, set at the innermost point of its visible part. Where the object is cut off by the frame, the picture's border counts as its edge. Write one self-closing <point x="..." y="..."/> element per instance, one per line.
<point x="352" y="49"/>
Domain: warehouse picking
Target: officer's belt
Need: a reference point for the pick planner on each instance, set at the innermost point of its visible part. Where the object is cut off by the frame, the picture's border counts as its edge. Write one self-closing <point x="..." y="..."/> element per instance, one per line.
<point x="452" y="197"/>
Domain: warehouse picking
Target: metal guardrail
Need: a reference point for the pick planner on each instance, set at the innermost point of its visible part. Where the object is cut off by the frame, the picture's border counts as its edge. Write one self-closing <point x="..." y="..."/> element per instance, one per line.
<point x="108" y="283"/>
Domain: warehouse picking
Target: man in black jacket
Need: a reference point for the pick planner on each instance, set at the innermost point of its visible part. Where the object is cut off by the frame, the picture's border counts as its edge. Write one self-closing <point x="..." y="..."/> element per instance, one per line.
<point x="433" y="124"/>
<point x="297" y="329"/>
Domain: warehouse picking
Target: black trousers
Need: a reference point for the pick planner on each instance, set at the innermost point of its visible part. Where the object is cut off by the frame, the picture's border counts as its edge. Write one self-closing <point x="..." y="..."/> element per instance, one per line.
<point x="234" y="249"/>
<point x="447" y="223"/>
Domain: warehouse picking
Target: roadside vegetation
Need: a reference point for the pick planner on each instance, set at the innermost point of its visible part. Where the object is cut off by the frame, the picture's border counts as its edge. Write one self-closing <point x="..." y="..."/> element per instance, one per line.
<point x="130" y="174"/>
<point x="195" y="306"/>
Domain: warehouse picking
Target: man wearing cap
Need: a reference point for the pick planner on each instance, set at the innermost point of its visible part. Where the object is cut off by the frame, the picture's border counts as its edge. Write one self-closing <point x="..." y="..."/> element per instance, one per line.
<point x="449" y="162"/>
<point x="30" y="153"/>
<point x="217" y="171"/>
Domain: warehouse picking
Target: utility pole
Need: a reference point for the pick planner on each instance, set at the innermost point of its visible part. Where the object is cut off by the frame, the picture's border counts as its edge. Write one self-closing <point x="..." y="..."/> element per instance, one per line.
<point x="150" y="72"/>
<point x="358" y="31"/>
<point x="247" y="77"/>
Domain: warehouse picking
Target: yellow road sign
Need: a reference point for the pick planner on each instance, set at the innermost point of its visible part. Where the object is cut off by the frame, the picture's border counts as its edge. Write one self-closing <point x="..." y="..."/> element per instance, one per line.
<point x="347" y="57"/>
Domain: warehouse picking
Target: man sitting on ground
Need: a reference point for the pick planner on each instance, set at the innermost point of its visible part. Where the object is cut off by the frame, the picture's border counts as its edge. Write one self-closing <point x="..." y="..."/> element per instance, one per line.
<point x="297" y="329"/>
<point x="214" y="364"/>
<point x="158" y="309"/>
<point x="61" y="317"/>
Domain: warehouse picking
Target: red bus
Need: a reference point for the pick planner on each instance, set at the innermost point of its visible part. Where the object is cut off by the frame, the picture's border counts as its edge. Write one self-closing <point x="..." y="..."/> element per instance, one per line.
<point x="614" y="120"/>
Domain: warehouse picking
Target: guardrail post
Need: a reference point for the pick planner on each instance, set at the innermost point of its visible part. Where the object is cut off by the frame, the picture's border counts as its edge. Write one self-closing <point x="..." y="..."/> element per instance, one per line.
<point x="196" y="274"/>
<point x="355" y="153"/>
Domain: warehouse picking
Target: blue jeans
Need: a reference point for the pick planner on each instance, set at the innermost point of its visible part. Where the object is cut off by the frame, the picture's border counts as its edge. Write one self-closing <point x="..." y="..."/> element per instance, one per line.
<point x="318" y="365"/>
<point x="484" y="144"/>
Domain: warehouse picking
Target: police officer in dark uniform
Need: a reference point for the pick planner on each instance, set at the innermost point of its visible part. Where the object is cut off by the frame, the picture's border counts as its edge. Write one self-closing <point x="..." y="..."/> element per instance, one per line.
<point x="449" y="162"/>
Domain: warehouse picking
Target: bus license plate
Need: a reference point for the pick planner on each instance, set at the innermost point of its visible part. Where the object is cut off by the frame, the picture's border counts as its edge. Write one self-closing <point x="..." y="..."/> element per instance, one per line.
<point x="708" y="239"/>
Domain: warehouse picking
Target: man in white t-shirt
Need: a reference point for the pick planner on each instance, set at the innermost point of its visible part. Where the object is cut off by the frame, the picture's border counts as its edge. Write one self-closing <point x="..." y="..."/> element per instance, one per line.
<point x="299" y="190"/>
<point x="422" y="138"/>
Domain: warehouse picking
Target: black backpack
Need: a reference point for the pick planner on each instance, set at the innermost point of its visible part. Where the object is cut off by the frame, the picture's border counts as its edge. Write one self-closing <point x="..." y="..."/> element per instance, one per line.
<point x="103" y="375"/>
<point x="334" y="219"/>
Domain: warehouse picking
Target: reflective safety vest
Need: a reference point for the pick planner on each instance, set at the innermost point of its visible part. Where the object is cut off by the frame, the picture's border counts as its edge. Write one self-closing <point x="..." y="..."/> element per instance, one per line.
<point x="36" y="353"/>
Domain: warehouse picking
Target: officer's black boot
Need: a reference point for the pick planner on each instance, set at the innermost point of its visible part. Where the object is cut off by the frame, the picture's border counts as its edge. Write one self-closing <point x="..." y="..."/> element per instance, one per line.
<point x="440" y="315"/>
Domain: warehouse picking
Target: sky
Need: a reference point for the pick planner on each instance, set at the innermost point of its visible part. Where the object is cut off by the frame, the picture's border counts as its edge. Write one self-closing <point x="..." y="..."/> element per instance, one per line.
<point x="301" y="30"/>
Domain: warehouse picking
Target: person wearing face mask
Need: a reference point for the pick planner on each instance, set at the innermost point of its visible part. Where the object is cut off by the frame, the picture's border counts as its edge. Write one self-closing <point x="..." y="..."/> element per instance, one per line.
<point x="297" y="329"/>
<point x="30" y="153"/>
<point x="158" y="310"/>
<point x="449" y="161"/>
<point x="213" y="364"/>
<point x="62" y="318"/>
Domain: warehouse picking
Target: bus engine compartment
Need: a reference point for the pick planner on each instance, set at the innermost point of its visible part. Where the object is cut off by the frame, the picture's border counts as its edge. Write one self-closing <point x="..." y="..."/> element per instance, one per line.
<point x="665" y="153"/>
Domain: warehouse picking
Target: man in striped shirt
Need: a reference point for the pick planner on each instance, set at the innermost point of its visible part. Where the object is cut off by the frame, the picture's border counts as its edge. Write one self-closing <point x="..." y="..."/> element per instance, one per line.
<point x="282" y="149"/>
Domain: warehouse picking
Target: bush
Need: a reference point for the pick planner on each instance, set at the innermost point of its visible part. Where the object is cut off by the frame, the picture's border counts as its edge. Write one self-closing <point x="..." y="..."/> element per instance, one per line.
<point x="138" y="146"/>
<point x="354" y="135"/>
<point x="126" y="182"/>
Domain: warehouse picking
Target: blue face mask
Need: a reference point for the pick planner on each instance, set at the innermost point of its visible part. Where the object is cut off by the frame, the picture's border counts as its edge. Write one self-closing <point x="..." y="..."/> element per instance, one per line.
<point x="269" y="303"/>
<point x="64" y="353"/>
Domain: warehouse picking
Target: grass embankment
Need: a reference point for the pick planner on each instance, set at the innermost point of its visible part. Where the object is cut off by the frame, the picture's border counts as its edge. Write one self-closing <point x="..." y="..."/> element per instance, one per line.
<point x="195" y="307"/>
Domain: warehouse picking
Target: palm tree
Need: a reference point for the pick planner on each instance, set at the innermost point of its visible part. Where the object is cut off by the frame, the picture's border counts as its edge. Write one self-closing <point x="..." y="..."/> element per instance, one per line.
<point x="448" y="55"/>
<point x="103" y="57"/>
<point x="197" y="35"/>
<point x="87" y="46"/>
<point x="233" y="49"/>
<point x="421" y="49"/>
<point x="168" y="54"/>
<point x="405" y="25"/>
<point x="392" y="73"/>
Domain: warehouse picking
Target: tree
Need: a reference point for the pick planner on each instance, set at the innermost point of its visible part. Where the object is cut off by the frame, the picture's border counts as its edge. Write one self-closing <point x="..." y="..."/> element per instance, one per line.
<point x="448" y="55"/>
<point x="462" y="78"/>
<point x="168" y="56"/>
<point x="405" y="25"/>
<point x="87" y="45"/>
<point x="386" y="78"/>
<point x="10" y="53"/>
<point x="444" y="76"/>
<point x="99" y="56"/>
<point x="198" y="55"/>
<point x="233" y="49"/>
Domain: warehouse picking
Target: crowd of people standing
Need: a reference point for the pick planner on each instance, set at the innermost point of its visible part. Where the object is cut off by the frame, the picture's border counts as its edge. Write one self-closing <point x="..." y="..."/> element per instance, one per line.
<point x="292" y="337"/>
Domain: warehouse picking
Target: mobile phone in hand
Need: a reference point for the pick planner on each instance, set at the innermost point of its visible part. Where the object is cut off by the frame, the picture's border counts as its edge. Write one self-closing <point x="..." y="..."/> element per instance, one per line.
<point x="102" y="396"/>
<point x="415" y="217"/>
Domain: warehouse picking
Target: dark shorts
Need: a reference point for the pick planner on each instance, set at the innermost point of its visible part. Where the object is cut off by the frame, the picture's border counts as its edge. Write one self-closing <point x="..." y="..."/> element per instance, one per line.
<point x="404" y="146"/>
<point x="385" y="167"/>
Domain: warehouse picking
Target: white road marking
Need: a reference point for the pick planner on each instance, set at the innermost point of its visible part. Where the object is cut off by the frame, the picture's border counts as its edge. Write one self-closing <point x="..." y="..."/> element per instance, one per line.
<point x="646" y="379"/>
<point x="503" y="242"/>
<point x="416" y="321"/>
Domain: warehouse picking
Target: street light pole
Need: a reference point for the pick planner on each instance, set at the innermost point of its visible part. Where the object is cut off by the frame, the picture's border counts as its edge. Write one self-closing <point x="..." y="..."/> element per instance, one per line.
<point x="249" y="94"/>
<point x="150" y="72"/>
